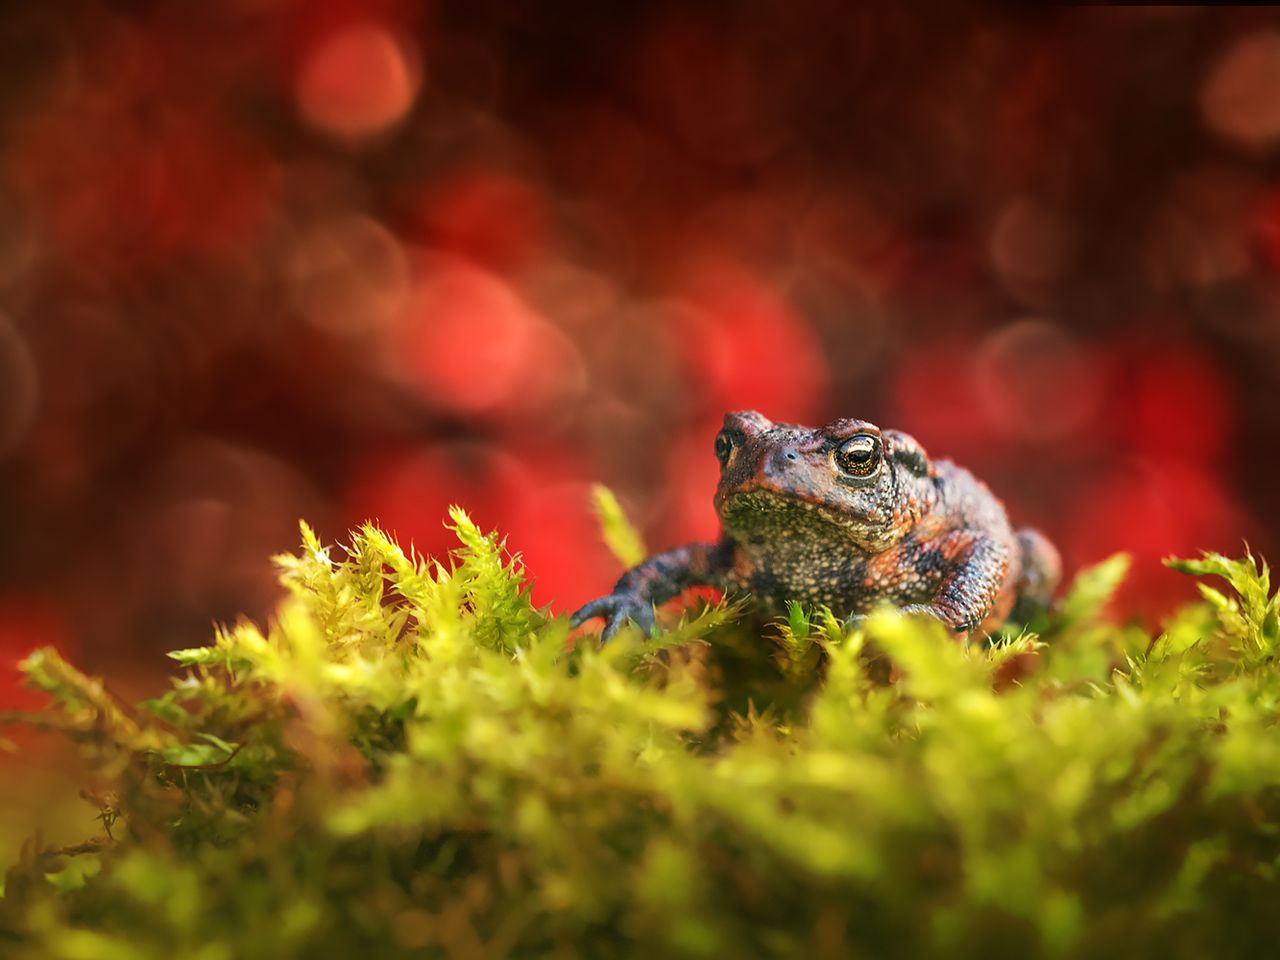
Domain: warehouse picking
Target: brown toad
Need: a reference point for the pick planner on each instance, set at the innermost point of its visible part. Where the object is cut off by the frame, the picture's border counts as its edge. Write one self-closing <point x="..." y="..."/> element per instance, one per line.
<point x="850" y="516"/>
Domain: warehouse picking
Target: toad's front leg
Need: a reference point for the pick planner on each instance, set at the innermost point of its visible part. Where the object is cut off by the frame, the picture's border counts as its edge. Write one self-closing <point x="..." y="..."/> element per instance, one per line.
<point x="656" y="581"/>
<point x="973" y="585"/>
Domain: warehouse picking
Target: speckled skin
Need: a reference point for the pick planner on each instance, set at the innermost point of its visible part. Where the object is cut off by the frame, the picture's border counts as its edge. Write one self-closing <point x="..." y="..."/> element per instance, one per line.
<point x="850" y="516"/>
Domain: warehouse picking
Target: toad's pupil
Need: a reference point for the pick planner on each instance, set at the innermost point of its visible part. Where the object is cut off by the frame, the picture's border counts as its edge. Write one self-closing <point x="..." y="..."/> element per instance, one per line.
<point x="724" y="446"/>
<point x="859" y="456"/>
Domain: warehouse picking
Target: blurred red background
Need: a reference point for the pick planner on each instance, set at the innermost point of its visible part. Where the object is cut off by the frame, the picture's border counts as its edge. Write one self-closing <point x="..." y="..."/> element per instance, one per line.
<point x="339" y="259"/>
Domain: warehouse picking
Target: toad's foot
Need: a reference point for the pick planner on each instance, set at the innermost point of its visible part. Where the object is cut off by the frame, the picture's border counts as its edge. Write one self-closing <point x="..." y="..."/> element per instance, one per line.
<point x="616" y="609"/>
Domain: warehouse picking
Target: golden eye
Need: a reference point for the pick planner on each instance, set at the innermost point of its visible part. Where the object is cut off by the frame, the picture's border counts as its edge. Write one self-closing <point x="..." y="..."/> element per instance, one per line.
<point x="725" y="442"/>
<point x="859" y="455"/>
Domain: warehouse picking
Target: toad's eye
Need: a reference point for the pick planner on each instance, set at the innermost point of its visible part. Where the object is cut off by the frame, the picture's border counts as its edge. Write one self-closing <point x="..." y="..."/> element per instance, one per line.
<point x="725" y="443"/>
<point x="859" y="455"/>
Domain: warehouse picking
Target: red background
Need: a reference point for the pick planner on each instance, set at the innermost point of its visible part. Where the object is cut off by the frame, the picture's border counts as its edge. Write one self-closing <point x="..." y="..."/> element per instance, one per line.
<point x="271" y="259"/>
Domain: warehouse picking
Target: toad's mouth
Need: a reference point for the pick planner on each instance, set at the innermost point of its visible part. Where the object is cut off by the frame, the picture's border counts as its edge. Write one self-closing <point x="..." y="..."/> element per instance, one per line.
<point x="760" y="512"/>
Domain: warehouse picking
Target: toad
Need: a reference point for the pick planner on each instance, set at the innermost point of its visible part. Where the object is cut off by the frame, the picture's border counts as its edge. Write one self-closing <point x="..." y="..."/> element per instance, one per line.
<point x="849" y="516"/>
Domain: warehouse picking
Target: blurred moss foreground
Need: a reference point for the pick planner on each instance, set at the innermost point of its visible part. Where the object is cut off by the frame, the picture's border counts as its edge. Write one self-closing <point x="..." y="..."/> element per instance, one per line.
<point x="412" y="763"/>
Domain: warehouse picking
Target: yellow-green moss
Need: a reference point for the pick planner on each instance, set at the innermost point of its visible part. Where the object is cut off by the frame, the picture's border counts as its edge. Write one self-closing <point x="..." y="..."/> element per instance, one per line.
<point x="411" y="761"/>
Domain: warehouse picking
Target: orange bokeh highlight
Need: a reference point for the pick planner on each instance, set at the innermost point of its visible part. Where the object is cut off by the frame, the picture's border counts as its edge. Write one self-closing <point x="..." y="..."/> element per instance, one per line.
<point x="1240" y="99"/>
<point x="470" y="343"/>
<point x="359" y="81"/>
<point x="349" y="275"/>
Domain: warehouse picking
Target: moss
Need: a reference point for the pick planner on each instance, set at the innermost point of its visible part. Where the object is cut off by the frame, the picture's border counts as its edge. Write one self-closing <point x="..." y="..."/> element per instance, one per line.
<point x="413" y="760"/>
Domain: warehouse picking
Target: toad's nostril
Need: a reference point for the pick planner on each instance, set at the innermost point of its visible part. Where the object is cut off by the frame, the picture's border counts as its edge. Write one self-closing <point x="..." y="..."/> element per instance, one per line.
<point x="780" y="460"/>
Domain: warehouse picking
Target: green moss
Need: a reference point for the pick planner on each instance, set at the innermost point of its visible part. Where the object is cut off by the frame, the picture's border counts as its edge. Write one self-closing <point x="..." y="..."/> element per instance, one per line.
<point x="414" y="760"/>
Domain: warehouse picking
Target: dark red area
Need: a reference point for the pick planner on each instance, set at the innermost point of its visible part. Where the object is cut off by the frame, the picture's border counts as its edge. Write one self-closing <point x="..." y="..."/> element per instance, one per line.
<point x="26" y="625"/>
